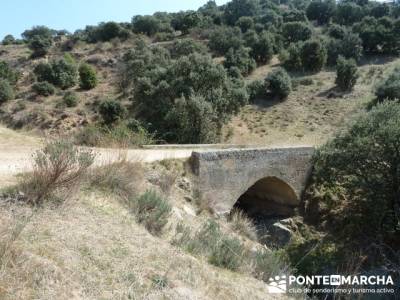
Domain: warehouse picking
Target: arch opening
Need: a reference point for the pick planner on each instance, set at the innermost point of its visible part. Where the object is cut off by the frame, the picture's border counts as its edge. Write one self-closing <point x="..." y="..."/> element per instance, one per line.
<point x="268" y="203"/>
<point x="269" y="197"/>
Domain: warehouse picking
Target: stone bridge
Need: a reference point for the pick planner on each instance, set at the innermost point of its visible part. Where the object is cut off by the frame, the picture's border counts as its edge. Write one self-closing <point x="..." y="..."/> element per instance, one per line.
<point x="260" y="180"/>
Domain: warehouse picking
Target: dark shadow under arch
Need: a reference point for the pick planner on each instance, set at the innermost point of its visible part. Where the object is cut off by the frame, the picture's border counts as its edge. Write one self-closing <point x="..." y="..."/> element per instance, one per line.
<point x="268" y="197"/>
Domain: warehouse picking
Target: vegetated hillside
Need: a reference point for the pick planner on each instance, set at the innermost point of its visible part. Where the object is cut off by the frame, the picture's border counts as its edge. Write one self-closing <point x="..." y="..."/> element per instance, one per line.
<point x="122" y="231"/>
<point x="152" y="80"/>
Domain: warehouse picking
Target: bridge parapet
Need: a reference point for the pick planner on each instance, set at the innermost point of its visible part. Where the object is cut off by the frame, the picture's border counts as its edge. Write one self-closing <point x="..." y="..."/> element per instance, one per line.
<point x="224" y="175"/>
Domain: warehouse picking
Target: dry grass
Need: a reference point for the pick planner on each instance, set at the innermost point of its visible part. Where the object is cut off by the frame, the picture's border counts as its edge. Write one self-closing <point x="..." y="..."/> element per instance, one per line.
<point x="95" y="250"/>
<point x="242" y="224"/>
<point x="313" y="112"/>
<point x="122" y="178"/>
<point x="58" y="170"/>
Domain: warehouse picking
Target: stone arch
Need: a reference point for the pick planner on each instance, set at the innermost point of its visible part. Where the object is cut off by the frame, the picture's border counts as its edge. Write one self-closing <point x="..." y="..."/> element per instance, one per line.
<point x="268" y="196"/>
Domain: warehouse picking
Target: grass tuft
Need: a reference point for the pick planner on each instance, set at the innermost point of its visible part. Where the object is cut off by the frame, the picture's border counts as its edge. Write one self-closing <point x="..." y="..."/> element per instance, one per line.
<point x="152" y="211"/>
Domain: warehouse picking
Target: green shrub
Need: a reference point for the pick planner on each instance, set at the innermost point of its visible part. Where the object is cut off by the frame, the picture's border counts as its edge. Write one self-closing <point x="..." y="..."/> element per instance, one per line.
<point x="58" y="168"/>
<point x="8" y="74"/>
<point x="228" y="254"/>
<point x="43" y="88"/>
<point x="8" y="40"/>
<point x="291" y="58"/>
<point x="62" y="73"/>
<point x="256" y="89"/>
<point x="87" y="77"/>
<point x="111" y="111"/>
<point x="355" y="165"/>
<point x="294" y="32"/>
<point x="186" y="47"/>
<point x="279" y="83"/>
<point x="152" y="211"/>
<point x="346" y="73"/>
<point x="321" y="11"/>
<point x="389" y="88"/>
<point x="70" y="99"/>
<point x="269" y="263"/>
<point x="245" y="23"/>
<point x="146" y="24"/>
<point x="6" y="91"/>
<point x="40" y="46"/>
<point x="262" y="45"/>
<point x="313" y="56"/>
<point x="241" y="59"/>
<point x="225" y="38"/>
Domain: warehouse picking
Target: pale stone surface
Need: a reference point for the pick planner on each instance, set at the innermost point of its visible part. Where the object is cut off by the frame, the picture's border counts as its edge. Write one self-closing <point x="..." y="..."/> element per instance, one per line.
<point x="224" y="175"/>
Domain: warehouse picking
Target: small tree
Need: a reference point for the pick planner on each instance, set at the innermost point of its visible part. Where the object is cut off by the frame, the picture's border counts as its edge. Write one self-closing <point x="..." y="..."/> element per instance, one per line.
<point x="111" y="111"/>
<point x="61" y="73"/>
<point x="241" y="59"/>
<point x="6" y="91"/>
<point x="296" y="31"/>
<point x="222" y="39"/>
<point x="8" y="40"/>
<point x="87" y="77"/>
<point x="313" y="56"/>
<point x="346" y="73"/>
<point x="279" y="83"/>
<point x="40" y="46"/>
<point x="245" y="23"/>
<point x="291" y="58"/>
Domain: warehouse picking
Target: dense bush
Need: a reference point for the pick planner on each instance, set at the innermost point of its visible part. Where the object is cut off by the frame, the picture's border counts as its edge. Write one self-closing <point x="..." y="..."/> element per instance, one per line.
<point x="87" y="77"/>
<point x="43" y="88"/>
<point x="62" y="73"/>
<point x="291" y="58"/>
<point x="294" y="32"/>
<point x="8" y="40"/>
<point x="6" y="91"/>
<point x="313" y="56"/>
<point x="279" y="83"/>
<point x="105" y="32"/>
<point x="256" y="89"/>
<point x="7" y="73"/>
<point x="70" y="99"/>
<point x="186" y="20"/>
<point x="361" y="165"/>
<point x="225" y="38"/>
<point x="349" y="46"/>
<point x="184" y="47"/>
<point x="239" y="8"/>
<point x="39" y="39"/>
<point x="245" y="23"/>
<point x="111" y="111"/>
<point x="146" y="24"/>
<point x="389" y="88"/>
<point x="151" y="210"/>
<point x="346" y="73"/>
<point x="158" y="87"/>
<point x="40" y="46"/>
<point x="241" y="59"/>
<point x="294" y="15"/>
<point x="336" y="31"/>
<point x="321" y="11"/>
<point x="348" y="13"/>
<point x="262" y="45"/>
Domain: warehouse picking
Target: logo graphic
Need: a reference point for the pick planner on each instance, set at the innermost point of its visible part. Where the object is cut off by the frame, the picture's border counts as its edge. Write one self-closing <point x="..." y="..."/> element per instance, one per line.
<point x="277" y="285"/>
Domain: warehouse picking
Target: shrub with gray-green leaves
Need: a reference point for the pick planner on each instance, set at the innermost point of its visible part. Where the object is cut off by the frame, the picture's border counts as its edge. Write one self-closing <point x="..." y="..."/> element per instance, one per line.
<point x="43" y="88"/>
<point x="279" y="83"/>
<point x="6" y="91"/>
<point x="389" y="88"/>
<point x="151" y="210"/>
<point x="346" y="73"/>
